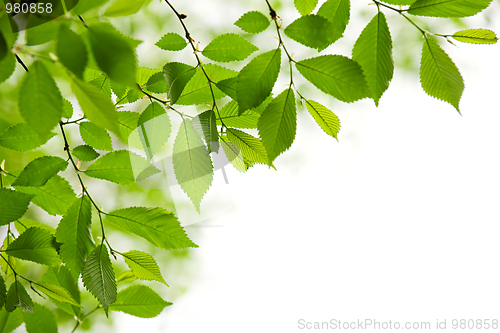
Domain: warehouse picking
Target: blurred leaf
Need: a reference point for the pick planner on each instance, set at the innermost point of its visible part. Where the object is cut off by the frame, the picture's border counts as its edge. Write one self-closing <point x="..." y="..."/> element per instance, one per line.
<point x="229" y="47"/>
<point x="126" y="276"/>
<point x="139" y="301"/>
<point x="17" y="297"/>
<point x="40" y="170"/>
<point x="156" y="225"/>
<point x="439" y="76"/>
<point x="305" y="6"/>
<point x="71" y="51"/>
<point x="42" y="319"/>
<point x="85" y="153"/>
<point x="42" y="34"/>
<point x="67" y="109"/>
<point x="35" y="245"/>
<point x="7" y="67"/>
<point x="476" y="36"/>
<point x="336" y="75"/>
<point x="40" y="102"/>
<point x="143" y="266"/>
<point x="98" y="276"/>
<point x="153" y="129"/>
<point x="171" y="42"/>
<point x="256" y="80"/>
<point x="20" y="137"/>
<point x="95" y="136"/>
<point x="9" y="321"/>
<point x="253" y="22"/>
<point x="400" y="2"/>
<point x="124" y="8"/>
<point x="313" y="31"/>
<point x="74" y="233"/>
<point x="325" y="118"/>
<point x="448" y="8"/>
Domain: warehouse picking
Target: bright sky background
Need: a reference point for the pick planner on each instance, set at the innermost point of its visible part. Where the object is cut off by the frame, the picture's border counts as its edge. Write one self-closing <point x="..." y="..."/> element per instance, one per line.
<point x="397" y="221"/>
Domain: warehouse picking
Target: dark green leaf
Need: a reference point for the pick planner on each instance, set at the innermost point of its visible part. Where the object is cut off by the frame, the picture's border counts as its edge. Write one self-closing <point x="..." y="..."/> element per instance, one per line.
<point x="337" y="12"/>
<point x="40" y="102"/>
<point x="476" y="36"/>
<point x="373" y="51"/>
<point x="139" y="301"/>
<point x="192" y="164"/>
<point x="229" y="87"/>
<point x="177" y="75"/>
<point x="143" y="266"/>
<point x="325" y="118"/>
<point x="42" y="34"/>
<point x="121" y="167"/>
<point x="74" y="234"/>
<point x="305" y="6"/>
<point x="95" y="136"/>
<point x="229" y="47"/>
<point x="21" y="137"/>
<point x="171" y="42"/>
<point x="35" y="245"/>
<point x="205" y="125"/>
<point x="336" y="75"/>
<point x="113" y="53"/>
<point x="40" y="170"/>
<point x="3" y="46"/>
<point x="98" y="276"/>
<point x="448" y="8"/>
<point x="13" y="205"/>
<point x="256" y="80"/>
<point x="42" y="319"/>
<point x="156" y="225"/>
<point x="17" y="297"/>
<point x="278" y="124"/>
<point x="7" y="67"/>
<point x="54" y="197"/>
<point x="71" y="51"/>
<point x="313" y="31"/>
<point x="253" y="22"/>
<point x="3" y="291"/>
<point x="85" y="153"/>
<point x="439" y="76"/>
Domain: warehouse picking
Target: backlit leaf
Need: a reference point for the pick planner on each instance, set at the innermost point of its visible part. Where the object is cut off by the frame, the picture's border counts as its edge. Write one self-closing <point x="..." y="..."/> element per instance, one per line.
<point x="95" y="136"/>
<point x="143" y="266"/>
<point x="177" y="76"/>
<point x="325" y="118"/>
<point x="85" y="153"/>
<point x="305" y="6"/>
<point x="206" y="126"/>
<point x="139" y="301"/>
<point x="253" y="22"/>
<point x="153" y="129"/>
<point x="313" y="31"/>
<point x="448" y="8"/>
<point x="61" y="276"/>
<point x="42" y="319"/>
<point x="476" y="36"/>
<point x="229" y="47"/>
<point x="171" y="42"/>
<point x="35" y="245"/>
<point x="3" y="291"/>
<point x="156" y="225"/>
<point x="124" y="8"/>
<point x="40" y="170"/>
<point x="21" y="137"/>
<point x="9" y="321"/>
<point x="252" y="149"/>
<point x="337" y="12"/>
<point x="56" y="292"/>
<point x="127" y="121"/>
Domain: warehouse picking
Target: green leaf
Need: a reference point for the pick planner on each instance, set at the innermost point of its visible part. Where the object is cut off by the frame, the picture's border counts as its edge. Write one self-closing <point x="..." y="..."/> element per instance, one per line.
<point x="98" y="276"/>
<point x="3" y="47"/>
<point x="7" y="67"/>
<point x="476" y="36"/>
<point x="41" y="34"/>
<point x="113" y="53"/>
<point x="42" y="319"/>
<point x="153" y="129"/>
<point x="229" y="47"/>
<point x="103" y="84"/>
<point x="337" y="12"/>
<point x="40" y="102"/>
<point x="439" y="76"/>
<point x="95" y="136"/>
<point x="85" y="6"/>
<point x="124" y="8"/>
<point x="192" y="164"/>
<point x="9" y="263"/>
<point x="336" y="75"/>
<point x="171" y="42"/>
<point x="85" y="153"/>
<point x="95" y="105"/>
<point x="205" y="125"/>
<point x="156" y="225"/>
<point x="67" y="109"/>
<point x="313" y="31"/>
<point x="373" y="51"/>
<point x="127" y="121"/>
<point x="13" y="205"/>
<point x="3" y="291"/>
<point x="139" y="301"/>
<point x="325" y="118"/>
<point x="256" y="80"/>
<point x="40" y="170"/>
<point x="17" y="297"/>
<point x="229" y="114"/>
<point x="23" y="224"/>
<point x="253" y="22"/>
<point x="9" y="321"/>
<point x="61" y="277"/>
<point x="156" y="84"/>
<point x="252" y="149"/>
<point x="121" y="167"/>
<point x="35" y="245"/>
<point x="278" y="124"/>
<point x="54" y="197"/>
<point x="229" y="87"/>
<point x="20" y="137"/>
<point x="177" y="75"/>
<point x="71" y="51"/>
<point x="399" y="2"/>
<point x="125" y="277"/>
<point x="56" y="292"/>
<point x="448" y="8"/>
<point x="305" y="6"/>
<point x="143" y="266"/>
<point x="75" y="235"/>
<point x="197" y="90"/>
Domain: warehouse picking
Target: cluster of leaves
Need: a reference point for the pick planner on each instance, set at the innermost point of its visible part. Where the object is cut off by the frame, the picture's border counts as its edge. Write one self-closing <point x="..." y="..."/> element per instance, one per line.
<point x="100" y="65"/>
